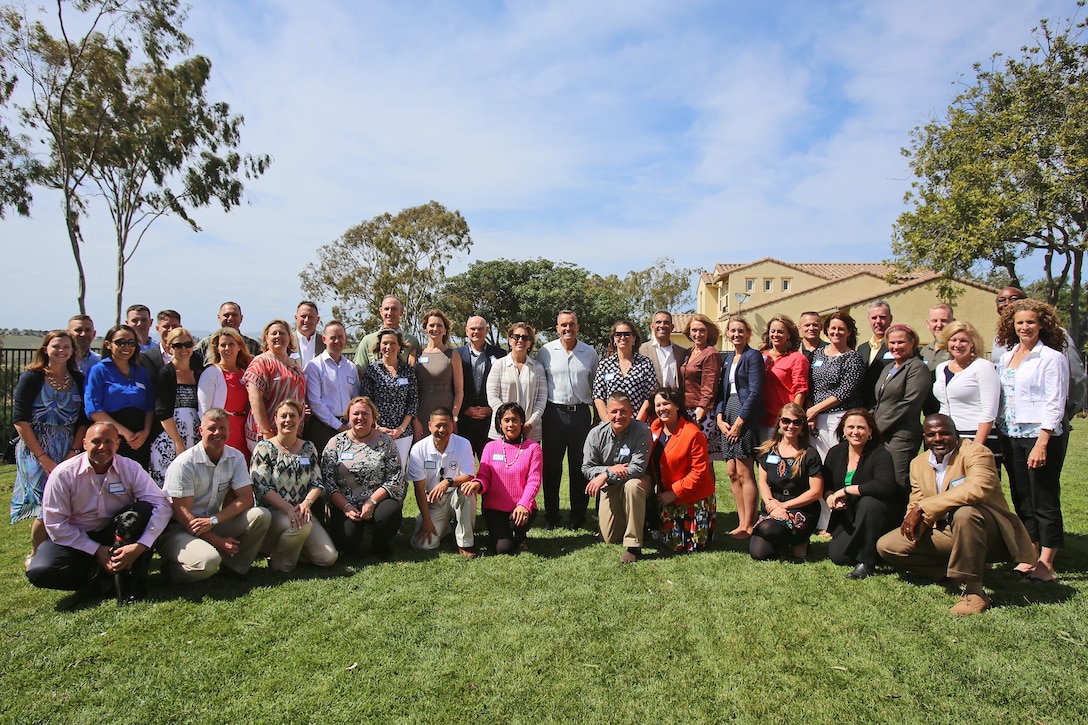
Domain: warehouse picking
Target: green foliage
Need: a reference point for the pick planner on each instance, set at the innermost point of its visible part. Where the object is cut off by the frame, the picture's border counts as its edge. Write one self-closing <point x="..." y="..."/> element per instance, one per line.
<point x="403" y="255"/>
<point x="117" y="116"/>
<point x="506" y="291"/>
<point x="661" y="286"/>
<point x="1004" y="174"/>
<point x="17" y="166"/>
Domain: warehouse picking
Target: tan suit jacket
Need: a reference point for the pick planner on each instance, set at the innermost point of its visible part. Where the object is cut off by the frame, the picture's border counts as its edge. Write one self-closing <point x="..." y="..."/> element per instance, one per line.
<point x="678" y="352"/>
<point x="971" y="480"/>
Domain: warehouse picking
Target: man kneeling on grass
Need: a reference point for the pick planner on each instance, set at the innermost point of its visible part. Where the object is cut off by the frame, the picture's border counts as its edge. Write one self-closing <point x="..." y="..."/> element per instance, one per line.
<point x="83" y="497"/>
<point x="958" y="519"/>
<point x="440" y="465"/>
<point x="614" y="461"/>
<point x="206" y="535"/>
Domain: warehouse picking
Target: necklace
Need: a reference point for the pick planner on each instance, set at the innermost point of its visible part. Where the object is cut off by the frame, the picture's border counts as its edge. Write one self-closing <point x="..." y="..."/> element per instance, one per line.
<point x="506" y="459"/>
<point x="63" y="385"/>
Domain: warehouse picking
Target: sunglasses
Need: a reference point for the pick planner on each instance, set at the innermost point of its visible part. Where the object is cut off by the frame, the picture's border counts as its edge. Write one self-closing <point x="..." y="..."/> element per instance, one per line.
<point x="123" y="342"/>
<point x="518" y="338"/>
<point x="790" y="421"/>
<point x="619" y="333"/>
<point x="180" y="345"/>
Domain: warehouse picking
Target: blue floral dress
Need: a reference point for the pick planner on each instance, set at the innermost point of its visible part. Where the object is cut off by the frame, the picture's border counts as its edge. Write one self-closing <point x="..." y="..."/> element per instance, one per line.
<point x="53" y="421"/>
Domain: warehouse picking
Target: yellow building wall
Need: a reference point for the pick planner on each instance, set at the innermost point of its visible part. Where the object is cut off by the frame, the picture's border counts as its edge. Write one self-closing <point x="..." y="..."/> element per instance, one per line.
<point x="760" y="274"/>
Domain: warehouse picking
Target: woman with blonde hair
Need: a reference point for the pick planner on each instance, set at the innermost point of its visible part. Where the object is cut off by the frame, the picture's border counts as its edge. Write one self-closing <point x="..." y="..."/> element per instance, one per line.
<point x="790" y="485"/>
<point x="966" y="386"/>
<point x="175" y="404"/>
<point x="738" y="418"/>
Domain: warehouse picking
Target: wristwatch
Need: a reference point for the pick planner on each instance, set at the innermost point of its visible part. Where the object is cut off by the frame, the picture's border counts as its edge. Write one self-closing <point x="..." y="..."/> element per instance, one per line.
<point x="214" y="519"/>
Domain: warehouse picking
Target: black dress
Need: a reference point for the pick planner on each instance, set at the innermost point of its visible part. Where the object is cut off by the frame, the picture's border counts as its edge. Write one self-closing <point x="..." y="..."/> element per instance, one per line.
<point x="771" y="536"/>
<point x="877" y="510"/>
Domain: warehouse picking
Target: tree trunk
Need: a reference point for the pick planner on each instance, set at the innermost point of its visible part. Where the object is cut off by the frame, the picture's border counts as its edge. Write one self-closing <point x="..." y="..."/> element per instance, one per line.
<point x="120" y="276"/>
<point x="72" y="223"/>
<point x="1074" y="297"/>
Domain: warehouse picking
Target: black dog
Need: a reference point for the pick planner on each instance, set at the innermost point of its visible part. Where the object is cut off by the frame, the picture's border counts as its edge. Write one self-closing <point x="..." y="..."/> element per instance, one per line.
<point x="128" y="527"/>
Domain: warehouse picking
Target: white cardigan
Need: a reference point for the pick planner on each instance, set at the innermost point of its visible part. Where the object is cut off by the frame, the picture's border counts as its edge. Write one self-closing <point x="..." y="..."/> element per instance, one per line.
<point x="971" y="397"/>
<point x="529" y="389"/>
<point x="1042" y="386"/>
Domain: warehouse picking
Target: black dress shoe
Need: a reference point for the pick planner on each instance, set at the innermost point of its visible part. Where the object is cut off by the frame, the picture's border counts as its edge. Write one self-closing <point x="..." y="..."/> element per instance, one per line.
<point x="861" y="571"/>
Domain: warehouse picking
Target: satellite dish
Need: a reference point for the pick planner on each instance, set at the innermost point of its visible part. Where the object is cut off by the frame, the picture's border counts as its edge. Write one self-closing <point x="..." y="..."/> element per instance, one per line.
<point x="742" y="297"/>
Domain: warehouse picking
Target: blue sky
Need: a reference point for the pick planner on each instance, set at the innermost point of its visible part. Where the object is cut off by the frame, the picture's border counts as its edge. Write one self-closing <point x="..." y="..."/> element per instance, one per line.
<point x="602" y="133"/>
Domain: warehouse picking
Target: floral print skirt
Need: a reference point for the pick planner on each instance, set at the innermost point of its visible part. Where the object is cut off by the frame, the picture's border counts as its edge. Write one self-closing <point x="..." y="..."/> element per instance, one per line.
<point x="688" y="526"/>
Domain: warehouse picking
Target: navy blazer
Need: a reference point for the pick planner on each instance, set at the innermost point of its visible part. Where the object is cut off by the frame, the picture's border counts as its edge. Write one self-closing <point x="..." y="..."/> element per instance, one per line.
<point x="472" y="396"/>
<point x="749" y="377"/>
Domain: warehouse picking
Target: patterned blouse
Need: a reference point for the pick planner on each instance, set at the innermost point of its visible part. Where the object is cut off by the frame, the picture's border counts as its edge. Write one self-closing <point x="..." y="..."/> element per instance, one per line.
<point x="290" y="475"/>
<point x="357" y="470"/>
<point x="395" y="397"/>
<point x="839" y="376"/>
<point x="639" y="383"/>
<point x="277" y="382"/>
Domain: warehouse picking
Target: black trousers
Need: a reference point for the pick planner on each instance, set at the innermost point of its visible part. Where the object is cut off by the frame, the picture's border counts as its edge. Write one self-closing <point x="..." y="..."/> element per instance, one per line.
<point x="68" y="569"/>
<point x="1036" y="492"/>
<point x="505" y="537"/>
<point x="475" y="431"/>
<point x="566" y="428"/>
<point x="856" y="530"/>
<point x="348" y="535"/>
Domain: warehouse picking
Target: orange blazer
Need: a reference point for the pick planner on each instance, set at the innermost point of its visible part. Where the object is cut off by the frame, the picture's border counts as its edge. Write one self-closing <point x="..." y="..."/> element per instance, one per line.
<point x="684" y="467"/>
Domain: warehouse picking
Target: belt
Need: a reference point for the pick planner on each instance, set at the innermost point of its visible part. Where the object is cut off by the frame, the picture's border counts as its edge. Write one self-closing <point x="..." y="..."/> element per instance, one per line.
<point x="569" y="408"/>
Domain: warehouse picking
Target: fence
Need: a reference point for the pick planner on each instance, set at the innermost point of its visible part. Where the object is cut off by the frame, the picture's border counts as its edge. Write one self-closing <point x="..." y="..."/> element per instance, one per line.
<point x="12" y="364"/>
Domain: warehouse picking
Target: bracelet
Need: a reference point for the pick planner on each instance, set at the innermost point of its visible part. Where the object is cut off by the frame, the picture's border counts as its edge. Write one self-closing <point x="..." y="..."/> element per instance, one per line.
<point x="372" y="502"/>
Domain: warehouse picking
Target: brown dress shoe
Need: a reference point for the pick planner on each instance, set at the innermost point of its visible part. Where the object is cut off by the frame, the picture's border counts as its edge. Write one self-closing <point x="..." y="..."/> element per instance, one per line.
<point x="469" y="552"/>
<point x="630" y="556"/>
<point x="971" y="604"/>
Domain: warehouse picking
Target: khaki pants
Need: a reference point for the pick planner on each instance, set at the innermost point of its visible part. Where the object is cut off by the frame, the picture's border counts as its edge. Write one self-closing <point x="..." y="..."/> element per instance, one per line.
<point x="959" y="551"/>
<point x="622" y="511"/>
<point x="454" y="505"/>
<point x="192" y="559"/>
<point x="288" y="544"/>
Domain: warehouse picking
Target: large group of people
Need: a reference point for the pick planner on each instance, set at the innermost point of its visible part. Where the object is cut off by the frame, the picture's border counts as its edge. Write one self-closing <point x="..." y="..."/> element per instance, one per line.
<point x="227" y="449"/>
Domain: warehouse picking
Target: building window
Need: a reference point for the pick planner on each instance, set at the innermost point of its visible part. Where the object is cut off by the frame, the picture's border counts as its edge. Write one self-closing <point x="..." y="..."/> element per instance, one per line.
<point x="749" y="285"/>
<point x="785" y="285"/>
<point x="768" y="285"/>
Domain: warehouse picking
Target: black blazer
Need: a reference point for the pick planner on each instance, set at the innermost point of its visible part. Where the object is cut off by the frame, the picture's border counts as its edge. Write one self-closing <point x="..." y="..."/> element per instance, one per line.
<point x="875" y="474"/>
<point x="472" y="396"/>
<point x="872" y="372"/>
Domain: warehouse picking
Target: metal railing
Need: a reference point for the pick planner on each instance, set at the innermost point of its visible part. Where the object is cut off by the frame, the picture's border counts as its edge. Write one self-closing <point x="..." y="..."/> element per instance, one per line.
<point x="12" y="364"/>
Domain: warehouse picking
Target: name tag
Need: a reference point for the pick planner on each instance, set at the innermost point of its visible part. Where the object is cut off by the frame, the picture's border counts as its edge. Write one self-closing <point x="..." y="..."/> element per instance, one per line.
<point x="295" y="356"/>
<point x="347" y="456"/>
<point x="402" y="381"/>
<point x="351" y="380"/>
<point x="957" y="482"/>
<point x="430" y="465"/>
<point x="817" y="363"/>
<point x="117" y="487"/>
<point x="141" y="386"/>
<point x="625" y="450"/>
<point x="423" y="359"/>
<point x="304" y="460"/>
<point x="609" y="376"/>
<point x="224" y="486"/>
<point x="498" y="457"/>
<point x="773" y="458"/>
<point x="887" y="356"/>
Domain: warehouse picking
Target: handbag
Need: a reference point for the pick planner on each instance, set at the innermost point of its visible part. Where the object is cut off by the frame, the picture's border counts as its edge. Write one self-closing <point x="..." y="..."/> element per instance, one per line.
<point x="9" y="450"/>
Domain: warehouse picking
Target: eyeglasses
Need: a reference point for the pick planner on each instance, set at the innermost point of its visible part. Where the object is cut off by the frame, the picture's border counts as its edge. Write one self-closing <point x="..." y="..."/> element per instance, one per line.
<point x="518" y="338"/>
<point x="180" y="345"/>
<point x="123" y="342"/>
<point x="790" y="421"/>
<point x="1010" y="298"/>
<point x="621" y="333"/>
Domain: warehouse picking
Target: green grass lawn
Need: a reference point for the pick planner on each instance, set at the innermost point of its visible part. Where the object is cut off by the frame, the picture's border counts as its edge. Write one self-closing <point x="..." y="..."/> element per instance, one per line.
<point x="562" y="634"/>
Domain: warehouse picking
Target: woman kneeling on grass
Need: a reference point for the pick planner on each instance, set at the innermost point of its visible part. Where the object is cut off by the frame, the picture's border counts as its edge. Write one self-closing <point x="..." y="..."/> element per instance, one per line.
<point x="790" y="484"/>
<point x="684" y="475"/>
<point x="510" y="472"/>
<point x="287" y="479"/>
<point x="365" y="478"/>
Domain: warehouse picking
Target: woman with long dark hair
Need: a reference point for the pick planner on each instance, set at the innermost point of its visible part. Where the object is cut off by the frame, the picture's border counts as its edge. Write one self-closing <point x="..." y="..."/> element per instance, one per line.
<point x="119" y="391"/>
